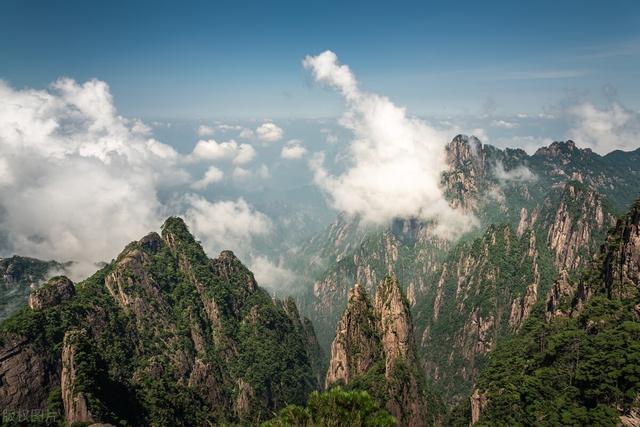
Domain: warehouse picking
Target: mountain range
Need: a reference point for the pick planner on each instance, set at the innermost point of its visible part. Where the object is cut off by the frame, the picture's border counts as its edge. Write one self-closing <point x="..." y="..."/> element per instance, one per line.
<point x="531" y="318"/>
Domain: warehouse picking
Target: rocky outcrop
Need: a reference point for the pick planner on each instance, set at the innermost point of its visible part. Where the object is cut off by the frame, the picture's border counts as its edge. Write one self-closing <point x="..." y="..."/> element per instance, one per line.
<point x="581" y="219"/>
<point x="603" y="300"/>
<point x="466" y="174"/>
<point x="538" y="215"/>
<point x="356" y="346"/>
<point x="559" y="297"/>
<point x="163" y="328"/>
<point x="395" y="326"/>
<point x="478" y="404"/>
<point x="25" y="374"/>
<point x="376" y="339"/>
<point x="621" y="256"/>
<point x="76" y="408"/>
<point x="52" y="293"/>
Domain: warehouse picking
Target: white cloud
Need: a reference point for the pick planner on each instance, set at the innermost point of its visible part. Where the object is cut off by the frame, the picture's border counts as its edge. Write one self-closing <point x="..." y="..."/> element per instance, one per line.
<point x="263" y="172"/>
<point x="520" y="173"/>
<point x="272" y="276"/>
<point x="330" y="137"/>
<point x="396" y="160"/>
<point x="225" y="224"/>
<point x="78" y="180"/>
<point x="204" y="130"/>
<point x="212" y="175"/>
<point x="246" y="134"/>
<point x="269" y="132"/>
<point x="480" y="134"/>
<point x="605" y="130"/>
<point x="239" y="154"/>
<point x="504" y="124"/>
<point x="240" y="173"/>
<point x="293" y="150"/>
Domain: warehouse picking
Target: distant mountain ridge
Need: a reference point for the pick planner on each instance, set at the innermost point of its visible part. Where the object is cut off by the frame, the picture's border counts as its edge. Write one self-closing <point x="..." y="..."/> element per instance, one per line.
<point x="18" y="276"/>
<point x="541" y="216"/>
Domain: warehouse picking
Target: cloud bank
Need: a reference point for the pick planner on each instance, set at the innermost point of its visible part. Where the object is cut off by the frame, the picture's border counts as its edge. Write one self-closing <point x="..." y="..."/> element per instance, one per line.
<point x="614" y="127"/>
<point x="395" y="160"/>
<point x="78" y="181"/>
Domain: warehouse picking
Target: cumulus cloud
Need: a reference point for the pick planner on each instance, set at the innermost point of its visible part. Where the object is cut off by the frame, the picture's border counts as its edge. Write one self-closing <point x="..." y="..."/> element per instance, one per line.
<point x="204" y="130"/>
<point x="330" y="137"/>
<point x="504" y="124"/>
<point x="520" y="173"/>
<point x="480" y="134"/>
<point x="225" y="224"/>
<point x="240" y="173"/>
<point x="273" y="276"/>
<point x="293" y="150"/>
<point x="78" y="180"/>
<point x="239" y="154"/>
<point x="246" y="134"/>
<point x="614" y="127"/>
<point x="213" y="174"/>
<point x="395" y="160"/>
<point x="269" y="132"/>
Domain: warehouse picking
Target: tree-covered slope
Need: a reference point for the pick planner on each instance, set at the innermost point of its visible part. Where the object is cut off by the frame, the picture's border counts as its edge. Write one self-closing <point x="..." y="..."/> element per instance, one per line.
<point x="580" y="365"/>
<point x="161" y="336"/>
<point x="541" y="216"/>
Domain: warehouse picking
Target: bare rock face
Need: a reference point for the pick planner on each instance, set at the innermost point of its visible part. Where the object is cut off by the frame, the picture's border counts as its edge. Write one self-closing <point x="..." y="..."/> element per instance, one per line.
<point x="580" y="216"/>
<point x="478" y="403"/>
<point x="24" y="375"/>
<point x="396" y="330"/>
<point x="381" y="332"/>
<point x="621" y="253"/>
<point x="558" y="299"/>
<point x="356" y="330"/>
<point x="52" y="293"/>
<point x="466" y="171"/>
<point x="76" y="408"/>
<point x="245" y="396"/>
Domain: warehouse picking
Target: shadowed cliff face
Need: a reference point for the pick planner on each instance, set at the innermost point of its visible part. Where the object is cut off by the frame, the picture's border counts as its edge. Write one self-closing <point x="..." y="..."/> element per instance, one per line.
<point x="162" y="334"/>
<point x="374" y="350"/>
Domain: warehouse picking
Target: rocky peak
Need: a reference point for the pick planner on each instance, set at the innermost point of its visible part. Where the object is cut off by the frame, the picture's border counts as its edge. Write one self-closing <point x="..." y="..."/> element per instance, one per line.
<point x="229" y="267"/>
<point x="558" y="149"/>
<point x="621" y="256"/>
<point x="356" y="346"/>
<point x="463" y="149"/>
<point x="161" y="317"/>
<point x="396" y="329"/>
<point x="152" y="242"/>
<point x="55" y="291"/>
<point x="176" y="235"/>
<point x="369" y="335"/>
<point x="465" y="176"/>
<point x="579" y="220"/>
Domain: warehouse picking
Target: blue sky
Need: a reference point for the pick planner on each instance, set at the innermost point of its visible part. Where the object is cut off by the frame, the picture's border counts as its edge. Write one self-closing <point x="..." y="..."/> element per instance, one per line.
<point x="238" y="59"/>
